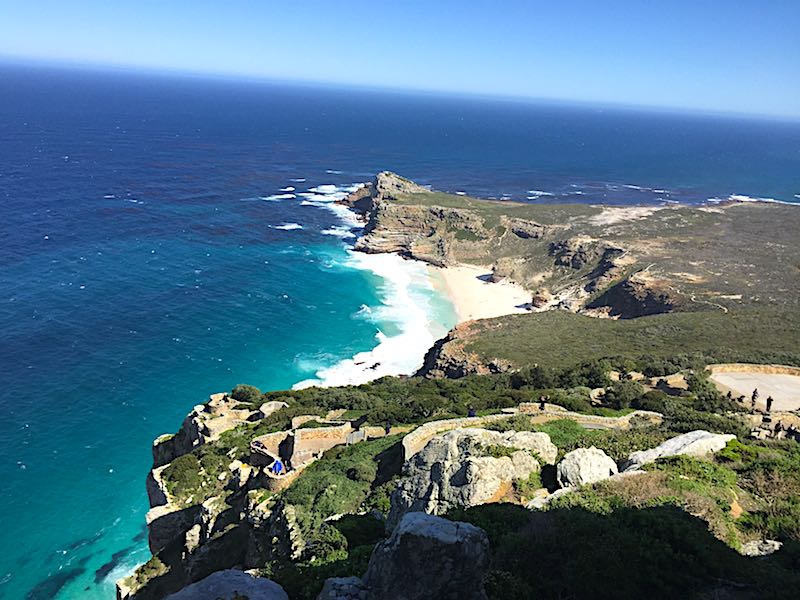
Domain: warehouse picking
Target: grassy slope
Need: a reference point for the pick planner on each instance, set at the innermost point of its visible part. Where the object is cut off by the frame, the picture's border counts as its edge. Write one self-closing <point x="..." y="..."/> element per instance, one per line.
<point x="560" y="339"/>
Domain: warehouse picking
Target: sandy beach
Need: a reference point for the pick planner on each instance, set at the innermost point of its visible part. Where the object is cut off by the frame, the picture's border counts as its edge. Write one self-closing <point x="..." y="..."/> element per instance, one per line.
<point x="476" y="297"/>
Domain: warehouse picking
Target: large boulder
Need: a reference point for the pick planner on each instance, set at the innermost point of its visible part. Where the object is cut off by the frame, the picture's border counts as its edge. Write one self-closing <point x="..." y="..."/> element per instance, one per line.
<point x="229" y="585"/>
<point x="425" y="558"/>
<point x="536" y="441"/>
<point x="584" y="466"/>
<point x="694" y="443"/>
<point x="455" y="470"/>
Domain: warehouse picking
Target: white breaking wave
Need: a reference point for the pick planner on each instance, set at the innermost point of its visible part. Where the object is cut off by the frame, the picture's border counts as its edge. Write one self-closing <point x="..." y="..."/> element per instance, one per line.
<point x="298" y="180"/>
<point x="287" y="189"/>
<point x="406" y="296"/>
<point x="287" y="226"/>
<point x="342" y="232"/>
<point x="276" y="197"/>
<point x="540" y="193"/>
<point x="406" y="303"/>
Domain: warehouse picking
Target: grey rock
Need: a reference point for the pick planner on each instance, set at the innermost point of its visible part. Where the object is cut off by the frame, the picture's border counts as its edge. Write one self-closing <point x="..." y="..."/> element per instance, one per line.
<point x="584" y="466"/>
<point x="343" y="588"/>
<point x="694" y="443"/>
<point x="453" y="471"/>
<point x="230" y="584"/>
<point x="761" y="547"/>
<point x="425" y="558"/>
<point x="540" y="502"/>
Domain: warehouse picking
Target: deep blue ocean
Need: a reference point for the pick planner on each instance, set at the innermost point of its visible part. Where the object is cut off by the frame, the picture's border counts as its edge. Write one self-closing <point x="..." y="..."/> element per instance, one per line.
<point x="164" y="238"/>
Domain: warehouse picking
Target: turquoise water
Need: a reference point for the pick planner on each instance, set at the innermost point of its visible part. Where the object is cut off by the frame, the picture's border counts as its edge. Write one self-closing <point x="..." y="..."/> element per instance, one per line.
<point x="151" y="253"/>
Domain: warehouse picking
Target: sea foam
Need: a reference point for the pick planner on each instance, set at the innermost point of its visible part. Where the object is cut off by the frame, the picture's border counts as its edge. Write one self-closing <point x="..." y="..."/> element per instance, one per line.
<point x="406" y="302"/>
<point x="407" y="306"/>
<point x="288" y="226"/>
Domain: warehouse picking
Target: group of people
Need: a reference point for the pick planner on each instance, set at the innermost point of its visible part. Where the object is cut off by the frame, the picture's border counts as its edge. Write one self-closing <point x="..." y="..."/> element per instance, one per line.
<point x="791" y="432"/>
<point x="753" y="399"/>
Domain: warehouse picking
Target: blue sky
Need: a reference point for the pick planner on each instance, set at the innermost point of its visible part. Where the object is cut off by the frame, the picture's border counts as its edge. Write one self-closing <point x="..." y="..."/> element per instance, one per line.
<point x="724" y="55"/>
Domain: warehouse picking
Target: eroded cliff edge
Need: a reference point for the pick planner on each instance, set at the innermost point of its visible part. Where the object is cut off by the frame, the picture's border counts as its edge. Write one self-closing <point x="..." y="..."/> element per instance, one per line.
<point x="657" y="273"/>
<point x="617" y="262"/>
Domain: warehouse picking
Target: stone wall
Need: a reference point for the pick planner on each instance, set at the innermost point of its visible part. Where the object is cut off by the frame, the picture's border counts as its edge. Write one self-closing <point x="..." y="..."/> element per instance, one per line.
<point x="417" y="439"/>
<point x="266" y="448"/>
<point x="623" y="422"/>
<point x="308" y="443"/>
<point x="751" y="368"/>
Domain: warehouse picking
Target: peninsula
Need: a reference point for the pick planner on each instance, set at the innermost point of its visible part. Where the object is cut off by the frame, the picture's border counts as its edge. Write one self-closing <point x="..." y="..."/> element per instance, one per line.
<point x="581" y="428"/>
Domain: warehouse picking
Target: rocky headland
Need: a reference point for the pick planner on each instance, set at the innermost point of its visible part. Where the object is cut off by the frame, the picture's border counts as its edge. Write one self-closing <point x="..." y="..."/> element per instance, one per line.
<point x="528" y="445"/>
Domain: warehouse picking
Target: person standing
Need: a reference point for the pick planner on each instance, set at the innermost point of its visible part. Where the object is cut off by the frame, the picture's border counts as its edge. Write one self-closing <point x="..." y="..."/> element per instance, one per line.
<point x="769" y="403"/>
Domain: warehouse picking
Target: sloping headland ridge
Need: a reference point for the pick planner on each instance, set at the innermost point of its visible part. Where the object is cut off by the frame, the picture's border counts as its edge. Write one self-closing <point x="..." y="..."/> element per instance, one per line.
<point x="576" y="450"/>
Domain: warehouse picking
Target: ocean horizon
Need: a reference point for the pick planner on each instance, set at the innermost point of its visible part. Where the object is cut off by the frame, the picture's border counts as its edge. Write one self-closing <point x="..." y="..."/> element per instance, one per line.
<point x="168" y="238"/>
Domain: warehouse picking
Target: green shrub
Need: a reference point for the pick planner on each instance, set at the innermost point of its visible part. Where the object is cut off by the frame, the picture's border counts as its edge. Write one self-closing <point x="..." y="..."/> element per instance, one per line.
<point x="182" y="478"/>
<point x="526" y="487"/>
<point x="246" y="393"/>
<point x="737" y="452"/>
<point x="360" y="529"/>
<point x="624" y="393"/>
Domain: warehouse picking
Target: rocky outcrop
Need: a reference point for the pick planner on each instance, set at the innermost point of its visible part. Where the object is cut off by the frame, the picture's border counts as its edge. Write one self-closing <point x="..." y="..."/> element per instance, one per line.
<point x="638" y="296"/>
<point x="449" y="358"/>
<point x="761" y="547"/>
<point x="455" y="470"/>
<point x="231" y="585"/>
<point x="420" y="232"/>
<point x="425" y="558"/>
<point x="527" y="230"/>
<point x="205" y="423"/>
<point x="612" y="265"/>
<point x="583" y="466"/>
<point x="694" y="443"/>
<point x="574" y="253"/>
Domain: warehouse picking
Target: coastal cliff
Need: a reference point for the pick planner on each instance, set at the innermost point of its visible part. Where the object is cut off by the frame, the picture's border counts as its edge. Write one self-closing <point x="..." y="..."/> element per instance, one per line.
<point x="343" y="521"/>
<point x="611" y="262"/>
<point x="621" y="262"/>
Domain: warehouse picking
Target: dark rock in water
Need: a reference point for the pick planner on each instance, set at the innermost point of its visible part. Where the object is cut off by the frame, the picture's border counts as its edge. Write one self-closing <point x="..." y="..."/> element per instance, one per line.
<point x="425" y="558"/>
<point x="106" y="568"/>
<point x="141" y="536"/>
<point x="48" y="588"/>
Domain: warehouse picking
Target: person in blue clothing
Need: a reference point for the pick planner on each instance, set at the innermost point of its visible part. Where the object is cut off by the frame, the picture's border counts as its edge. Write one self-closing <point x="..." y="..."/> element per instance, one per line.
<point x="277" y="467"/>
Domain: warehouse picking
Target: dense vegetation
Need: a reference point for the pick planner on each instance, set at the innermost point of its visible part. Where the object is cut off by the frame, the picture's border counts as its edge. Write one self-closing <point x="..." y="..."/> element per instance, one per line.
<point x="559" y="339"/>
<point x="347" y="480"/>
<point x="672" y="531"/>
<point x="657" y="551"/>
<point x="651" y="532"/>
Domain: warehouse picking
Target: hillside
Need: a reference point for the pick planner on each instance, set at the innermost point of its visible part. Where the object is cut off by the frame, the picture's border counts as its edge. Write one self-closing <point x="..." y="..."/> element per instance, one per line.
<point x="581" y="438"/>
<point x="603" y="260"/>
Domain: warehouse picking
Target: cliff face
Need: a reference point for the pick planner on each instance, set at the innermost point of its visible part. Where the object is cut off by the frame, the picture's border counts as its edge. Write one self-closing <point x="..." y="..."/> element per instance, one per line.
<point x="449" y="358"/>
<point x="212" y="504"/>
<point x="609" y="262"/>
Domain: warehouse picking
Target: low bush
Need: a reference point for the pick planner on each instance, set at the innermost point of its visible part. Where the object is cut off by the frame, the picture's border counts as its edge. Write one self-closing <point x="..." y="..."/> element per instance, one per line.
<point x="248" y="394"/>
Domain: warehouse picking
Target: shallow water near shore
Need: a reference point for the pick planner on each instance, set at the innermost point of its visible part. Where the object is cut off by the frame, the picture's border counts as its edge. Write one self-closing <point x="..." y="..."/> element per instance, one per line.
<point x="163" y="239"/>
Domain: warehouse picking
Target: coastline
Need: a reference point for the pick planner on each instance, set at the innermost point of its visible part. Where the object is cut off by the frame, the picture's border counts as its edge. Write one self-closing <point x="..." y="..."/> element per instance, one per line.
<point x="475" y="296"/>
<point x="419" y="303"/>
